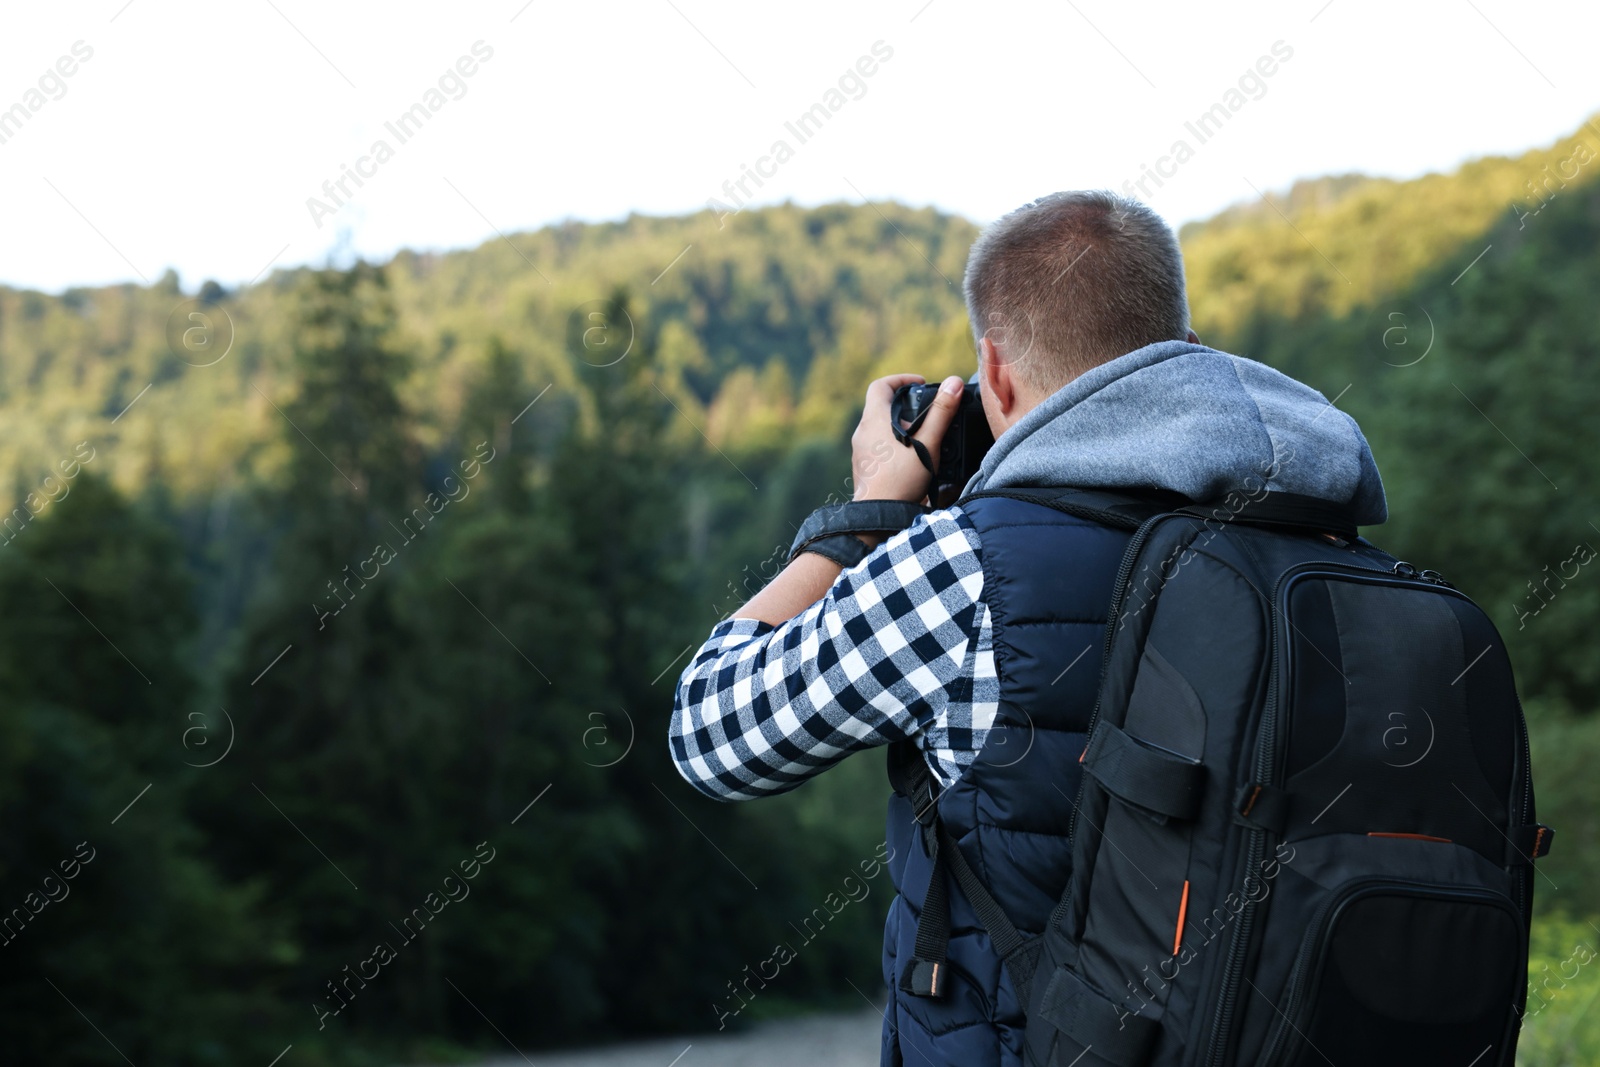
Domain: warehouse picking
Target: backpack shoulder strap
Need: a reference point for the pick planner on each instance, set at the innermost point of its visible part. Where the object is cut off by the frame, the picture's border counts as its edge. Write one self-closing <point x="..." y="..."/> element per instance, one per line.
<point x="1277" y="509"/>
<point x="1128" y="508"/>
<point x="909" y="774"/>
<point x="912" y="779"/>
<point x="1125" y="509"/>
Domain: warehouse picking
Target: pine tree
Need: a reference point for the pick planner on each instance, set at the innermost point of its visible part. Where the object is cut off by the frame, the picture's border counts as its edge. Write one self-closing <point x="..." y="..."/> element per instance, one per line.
<point x="104" y="881"/>
<point x="334" y="742"/>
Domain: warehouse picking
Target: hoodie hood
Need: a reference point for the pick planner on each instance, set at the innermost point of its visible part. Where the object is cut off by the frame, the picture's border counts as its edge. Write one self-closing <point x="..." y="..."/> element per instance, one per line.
<point x="1190" y="419"/>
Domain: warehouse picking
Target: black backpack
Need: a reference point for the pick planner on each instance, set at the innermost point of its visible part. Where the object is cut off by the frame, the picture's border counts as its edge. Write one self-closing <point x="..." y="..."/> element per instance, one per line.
<point x="1305" y="832"/>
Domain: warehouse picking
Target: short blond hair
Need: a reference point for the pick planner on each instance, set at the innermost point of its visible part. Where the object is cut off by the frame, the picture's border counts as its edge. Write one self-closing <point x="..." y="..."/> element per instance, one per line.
<point x="1073" y="280"/>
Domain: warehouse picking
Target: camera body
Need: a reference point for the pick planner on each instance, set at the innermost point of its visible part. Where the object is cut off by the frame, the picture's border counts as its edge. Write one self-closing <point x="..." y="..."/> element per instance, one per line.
<point x="965" y="443"/>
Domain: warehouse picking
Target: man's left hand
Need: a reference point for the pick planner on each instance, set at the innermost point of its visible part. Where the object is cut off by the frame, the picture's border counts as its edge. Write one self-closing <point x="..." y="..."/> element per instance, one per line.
<point x="883" y="468"/>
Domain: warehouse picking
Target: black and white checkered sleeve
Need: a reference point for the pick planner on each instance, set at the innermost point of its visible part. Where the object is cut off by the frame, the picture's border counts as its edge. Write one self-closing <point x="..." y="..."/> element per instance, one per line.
<point x="899" y="647"/>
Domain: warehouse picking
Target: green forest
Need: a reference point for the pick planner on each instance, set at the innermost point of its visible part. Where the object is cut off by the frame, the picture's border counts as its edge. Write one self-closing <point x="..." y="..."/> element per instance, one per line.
<point x="534" y="474"/>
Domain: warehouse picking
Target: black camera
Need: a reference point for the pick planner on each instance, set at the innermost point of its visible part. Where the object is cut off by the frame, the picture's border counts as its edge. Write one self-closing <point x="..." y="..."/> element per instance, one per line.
<point x="965" y="443"/>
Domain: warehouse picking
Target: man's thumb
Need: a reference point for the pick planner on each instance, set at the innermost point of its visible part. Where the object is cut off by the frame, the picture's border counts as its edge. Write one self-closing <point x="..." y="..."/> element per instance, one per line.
<point x="942" y="411"/>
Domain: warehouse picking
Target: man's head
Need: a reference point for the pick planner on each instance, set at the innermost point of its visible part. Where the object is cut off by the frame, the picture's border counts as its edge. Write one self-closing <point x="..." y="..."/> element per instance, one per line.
<point x="1064" y="284"/>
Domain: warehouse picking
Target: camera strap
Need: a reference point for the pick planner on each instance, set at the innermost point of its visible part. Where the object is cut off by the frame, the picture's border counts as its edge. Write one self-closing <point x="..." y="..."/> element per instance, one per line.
<point x="905" y="438"/>
<point x="830" y="530"/>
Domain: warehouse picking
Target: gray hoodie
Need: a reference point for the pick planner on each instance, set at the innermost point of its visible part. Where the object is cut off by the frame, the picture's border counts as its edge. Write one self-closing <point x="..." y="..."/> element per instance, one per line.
<point x="1188" y="418"/>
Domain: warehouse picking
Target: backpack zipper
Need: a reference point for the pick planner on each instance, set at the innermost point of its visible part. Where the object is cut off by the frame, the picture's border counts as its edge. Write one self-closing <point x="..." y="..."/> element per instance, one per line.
<point x="1432" y="577"/>
<point x="1264" y="769"/>
<point x="1233" y="965"/>
<point x="1296" y="973"/>
<point x="1525" y="884"/>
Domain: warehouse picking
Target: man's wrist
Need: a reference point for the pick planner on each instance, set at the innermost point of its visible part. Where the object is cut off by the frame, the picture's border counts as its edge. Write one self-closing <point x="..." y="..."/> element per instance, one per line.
<point x="868" y="494"/>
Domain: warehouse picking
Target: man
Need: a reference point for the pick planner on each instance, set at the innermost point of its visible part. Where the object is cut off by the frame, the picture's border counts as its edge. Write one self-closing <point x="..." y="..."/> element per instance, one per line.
<point x="976" y="631"/>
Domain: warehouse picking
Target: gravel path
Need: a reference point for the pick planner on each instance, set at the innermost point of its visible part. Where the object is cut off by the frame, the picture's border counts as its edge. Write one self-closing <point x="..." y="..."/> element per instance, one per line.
<point x="836" y="1040"/>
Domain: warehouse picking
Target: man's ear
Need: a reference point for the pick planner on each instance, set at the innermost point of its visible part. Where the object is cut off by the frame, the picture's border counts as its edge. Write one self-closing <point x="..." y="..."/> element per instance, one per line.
<point x="1194" y="338"/>
<point x="997" y="378"/>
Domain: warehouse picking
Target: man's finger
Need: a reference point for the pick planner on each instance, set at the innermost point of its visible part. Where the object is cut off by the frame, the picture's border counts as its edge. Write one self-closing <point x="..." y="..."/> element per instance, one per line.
<point x="881" y="391"/>
<point x="932" y="430"/>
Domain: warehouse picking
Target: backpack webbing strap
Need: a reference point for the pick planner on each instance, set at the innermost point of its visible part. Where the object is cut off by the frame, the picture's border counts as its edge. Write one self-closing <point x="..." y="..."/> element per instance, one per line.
<point x="1263" y="806"/>
<point x="1528" y="843"/>
<point x="1160" y="785"/>
<point x="924" y="975"/>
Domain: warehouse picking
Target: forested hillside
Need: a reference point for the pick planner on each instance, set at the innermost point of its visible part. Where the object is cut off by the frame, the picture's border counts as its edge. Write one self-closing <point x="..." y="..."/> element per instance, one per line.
<point x="326" y="592"/>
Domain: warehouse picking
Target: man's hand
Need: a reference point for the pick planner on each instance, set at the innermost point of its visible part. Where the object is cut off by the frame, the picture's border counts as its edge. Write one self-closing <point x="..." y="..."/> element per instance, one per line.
<point x="883" y="468"/>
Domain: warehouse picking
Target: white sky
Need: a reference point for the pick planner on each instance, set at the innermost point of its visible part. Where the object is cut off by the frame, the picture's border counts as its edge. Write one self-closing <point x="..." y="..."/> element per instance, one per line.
<point x="195" y="133"/>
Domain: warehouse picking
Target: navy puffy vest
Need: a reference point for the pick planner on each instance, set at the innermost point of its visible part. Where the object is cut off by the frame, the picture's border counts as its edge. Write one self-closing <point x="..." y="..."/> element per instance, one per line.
<point x="1047" y="580"/>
